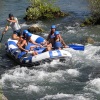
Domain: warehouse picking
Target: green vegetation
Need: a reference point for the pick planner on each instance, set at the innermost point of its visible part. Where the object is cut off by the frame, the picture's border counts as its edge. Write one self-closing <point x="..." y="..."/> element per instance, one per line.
<point x="0" y="92"/>
<point x="95" y="9"/>
<point x="88" y="21"/>
<point x="95" y="13"/>
<point x="43" y="9"/>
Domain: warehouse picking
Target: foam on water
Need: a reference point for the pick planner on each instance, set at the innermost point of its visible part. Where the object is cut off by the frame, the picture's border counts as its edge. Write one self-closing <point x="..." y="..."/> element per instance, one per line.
<point x="73" y="72"/>
<point x="32" y="88"/>
<point x="71" y="31"/>
<point x="38" y="79"/>
<point x="90" y="51"/>
<point x="90" y="55"/>
<point x="56" y="80"/>
<point x="31" y="79"/>
<point x="61" y="96"/>
<point x="93" y="85"/>
<point x="49" y="76"/>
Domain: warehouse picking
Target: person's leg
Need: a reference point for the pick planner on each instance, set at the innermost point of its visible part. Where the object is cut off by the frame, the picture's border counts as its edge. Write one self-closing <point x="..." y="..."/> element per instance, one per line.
<point x="15" y="37"/>
<point x="59" y="48"/>
<point x="34" y="53"/>
<point x="49" y="47"/>
<point x="17" y="34"/>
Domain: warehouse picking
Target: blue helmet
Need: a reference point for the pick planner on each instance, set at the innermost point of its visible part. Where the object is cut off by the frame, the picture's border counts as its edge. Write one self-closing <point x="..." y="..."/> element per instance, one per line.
<point x="29" y="34"/>
<point x="53" y="26"/>
<point x="56" y="33"/>
<point x="25" y="32"/>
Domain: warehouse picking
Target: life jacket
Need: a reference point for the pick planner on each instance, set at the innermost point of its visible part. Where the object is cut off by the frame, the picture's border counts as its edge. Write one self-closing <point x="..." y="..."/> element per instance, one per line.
<point x="57" y="44"/>
<point x="52" y="36"/>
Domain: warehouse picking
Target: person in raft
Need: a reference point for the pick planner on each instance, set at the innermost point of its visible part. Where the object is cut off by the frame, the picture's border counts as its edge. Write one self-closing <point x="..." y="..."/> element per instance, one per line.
<point x="50" y="39"/>
<point x="47" y="44"/>
<point x="51" y="36"/>
<point x="42" y="41"/>
<point x="23" y="45"/>
<point x="13" y="23"/>
<point x="58" y="42"/>
<point x="30" y="37"/>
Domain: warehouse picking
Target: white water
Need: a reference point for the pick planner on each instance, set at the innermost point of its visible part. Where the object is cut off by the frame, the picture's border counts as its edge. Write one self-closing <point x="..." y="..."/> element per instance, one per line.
<point x="44" y="78"/>
<point x="76" y="79"/>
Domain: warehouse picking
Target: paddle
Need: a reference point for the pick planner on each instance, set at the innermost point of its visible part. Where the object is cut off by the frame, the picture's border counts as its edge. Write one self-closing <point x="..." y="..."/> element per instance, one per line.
<point x="76" y="47"/>
<point x="1" y="40"/>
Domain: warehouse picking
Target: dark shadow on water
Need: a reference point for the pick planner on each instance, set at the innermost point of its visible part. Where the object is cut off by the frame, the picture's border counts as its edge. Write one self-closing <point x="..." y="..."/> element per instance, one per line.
<point x="6" y="63"/>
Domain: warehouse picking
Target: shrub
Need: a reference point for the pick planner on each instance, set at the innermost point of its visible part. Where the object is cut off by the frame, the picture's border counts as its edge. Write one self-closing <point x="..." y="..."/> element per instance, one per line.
<point x="94" y="19"/>
<point x="95" y="9"/>
<point x="43" y="9"/>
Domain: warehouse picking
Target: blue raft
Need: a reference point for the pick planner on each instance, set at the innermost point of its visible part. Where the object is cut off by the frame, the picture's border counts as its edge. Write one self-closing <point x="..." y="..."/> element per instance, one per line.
<point x="27" y="59"/>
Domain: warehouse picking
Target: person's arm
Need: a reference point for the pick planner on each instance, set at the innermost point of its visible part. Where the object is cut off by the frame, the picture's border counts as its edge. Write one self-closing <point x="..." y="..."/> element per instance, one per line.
<point x="12" y="20"/>
<point x="35" y="43"/>
<point x="21" y="45"/>
<point x="62" y="41"/>
<point x="48" y="37"/>
<point x="32" y="47"/>
<point x="44" y="43"/>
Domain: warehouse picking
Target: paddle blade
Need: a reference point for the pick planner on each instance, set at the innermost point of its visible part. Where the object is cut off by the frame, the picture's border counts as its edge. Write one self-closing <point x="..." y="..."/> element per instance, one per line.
<point x="76" y="47"/>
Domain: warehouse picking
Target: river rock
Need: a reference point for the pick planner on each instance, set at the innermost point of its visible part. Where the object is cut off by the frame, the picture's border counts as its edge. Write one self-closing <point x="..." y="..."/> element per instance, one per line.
<point x="4" y="98"/>
<point x="90" y="40"/>
<point x="35" y="28"/>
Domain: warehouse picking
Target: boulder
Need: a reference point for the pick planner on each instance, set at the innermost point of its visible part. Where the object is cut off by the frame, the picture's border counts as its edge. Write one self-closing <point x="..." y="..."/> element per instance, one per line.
<point x="4" y="98"/>
<point x="35" y="28"/>
<point x="90" y="40"/>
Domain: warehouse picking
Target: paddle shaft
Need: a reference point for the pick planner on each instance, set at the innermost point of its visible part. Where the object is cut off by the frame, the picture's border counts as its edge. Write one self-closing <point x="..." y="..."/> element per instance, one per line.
<point x="77" y="47"/>
<point x="1" y="37"/>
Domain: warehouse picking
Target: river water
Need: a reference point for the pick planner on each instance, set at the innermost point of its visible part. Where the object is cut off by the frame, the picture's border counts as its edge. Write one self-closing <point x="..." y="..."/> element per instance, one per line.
<point x="76" y="79"/>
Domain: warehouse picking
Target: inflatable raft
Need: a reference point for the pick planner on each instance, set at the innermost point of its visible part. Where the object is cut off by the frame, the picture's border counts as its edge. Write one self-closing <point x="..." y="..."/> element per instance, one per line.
<point x="26" y="59"/>
<point x="43" y="56"/>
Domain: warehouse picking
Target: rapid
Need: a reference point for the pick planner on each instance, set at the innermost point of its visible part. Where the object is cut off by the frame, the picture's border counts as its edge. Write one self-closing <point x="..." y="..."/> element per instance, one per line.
<point x="74" y="79"/>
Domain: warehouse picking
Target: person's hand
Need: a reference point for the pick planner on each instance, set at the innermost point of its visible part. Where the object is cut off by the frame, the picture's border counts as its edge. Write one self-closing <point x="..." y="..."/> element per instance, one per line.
<point x="41" y="46"/>
<point x="66" y="46"/>
<point x="26" y="51"/>
<point x="31" y="48"/>
<point x="8" y="20"/>
<point x="3" y="32"/>
<point x="42" y="43"/>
